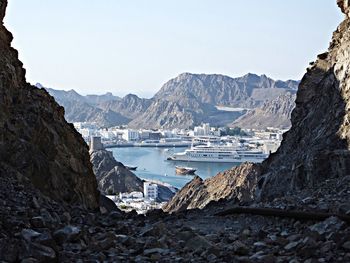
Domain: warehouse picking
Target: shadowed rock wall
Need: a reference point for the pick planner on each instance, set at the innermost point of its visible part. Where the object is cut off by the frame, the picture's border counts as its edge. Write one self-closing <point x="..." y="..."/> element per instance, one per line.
<point x="35" y="139"/>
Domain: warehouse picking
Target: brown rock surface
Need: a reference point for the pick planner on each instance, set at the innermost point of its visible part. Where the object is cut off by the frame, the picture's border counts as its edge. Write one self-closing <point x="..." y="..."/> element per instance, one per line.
<point x="317" y="146"/>
<point x="237" y="183"/>
<point x="35" y="139"/>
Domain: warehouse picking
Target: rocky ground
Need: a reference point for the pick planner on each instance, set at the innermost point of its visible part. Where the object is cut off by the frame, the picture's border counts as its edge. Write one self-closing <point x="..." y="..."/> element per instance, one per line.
<point x="34" y="228"/>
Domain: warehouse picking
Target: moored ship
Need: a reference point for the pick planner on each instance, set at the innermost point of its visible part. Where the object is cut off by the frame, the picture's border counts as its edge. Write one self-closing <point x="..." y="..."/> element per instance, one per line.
<point x="220" y="154"/>
<point x="184" y="170"/>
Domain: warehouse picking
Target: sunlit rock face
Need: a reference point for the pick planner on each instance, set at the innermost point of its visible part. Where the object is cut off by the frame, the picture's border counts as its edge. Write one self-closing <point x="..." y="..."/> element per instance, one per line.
<point x="317" y="146"/>
<point x="35" y="140"/>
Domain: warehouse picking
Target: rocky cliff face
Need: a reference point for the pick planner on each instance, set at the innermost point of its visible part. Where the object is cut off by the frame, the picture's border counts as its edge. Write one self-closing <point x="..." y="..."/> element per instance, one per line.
<point x="275" y="113"/>
<point x="112" y="176"/>
<point x="35" y="140"/>
<point x="316" y="148"/>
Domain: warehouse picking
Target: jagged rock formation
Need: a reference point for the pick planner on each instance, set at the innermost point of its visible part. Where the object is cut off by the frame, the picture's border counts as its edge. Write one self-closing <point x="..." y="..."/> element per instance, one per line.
<point x="235" y="183"/>
<point x="316" y="148"/>
<point x="275" y="113"/>
<point x="35" y="140"/>
<point x="190" y="99"/>
<point x="112" y="176"/>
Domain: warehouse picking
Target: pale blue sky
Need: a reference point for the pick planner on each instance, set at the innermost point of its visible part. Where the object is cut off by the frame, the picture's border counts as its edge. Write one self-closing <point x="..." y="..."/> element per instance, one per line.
<point x="134" y="46"/>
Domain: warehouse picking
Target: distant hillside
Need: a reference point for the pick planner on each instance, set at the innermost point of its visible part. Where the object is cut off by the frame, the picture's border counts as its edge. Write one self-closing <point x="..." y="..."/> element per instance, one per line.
<point x="275" y="113"/>
<point x="182" y="102"/>
<point x="131" y="106"/>
<point x="249" y="91"/>
<point x="190" y="99"/>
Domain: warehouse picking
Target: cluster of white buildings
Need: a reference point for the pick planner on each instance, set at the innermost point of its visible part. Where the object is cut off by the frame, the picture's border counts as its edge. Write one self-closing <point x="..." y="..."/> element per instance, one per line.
<point x="132" y="135"/>
<point x="141" y="202"/>
<point x="269" y="139"/>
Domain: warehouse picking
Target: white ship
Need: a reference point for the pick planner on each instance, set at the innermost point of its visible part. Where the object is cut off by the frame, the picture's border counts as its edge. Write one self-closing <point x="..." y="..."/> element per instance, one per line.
<point x="219" y="154"/>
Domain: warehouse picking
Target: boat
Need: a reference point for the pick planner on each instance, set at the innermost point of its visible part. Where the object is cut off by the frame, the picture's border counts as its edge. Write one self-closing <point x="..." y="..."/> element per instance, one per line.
<point x="129" y="167"/>
<point x="184" y="170"/>
<point x="220" y="154"/>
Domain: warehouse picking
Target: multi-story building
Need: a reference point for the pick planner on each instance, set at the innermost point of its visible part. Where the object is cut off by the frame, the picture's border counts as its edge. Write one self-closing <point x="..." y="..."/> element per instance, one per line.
<point x="150" y="190"/>
<point x="130" y="135"/>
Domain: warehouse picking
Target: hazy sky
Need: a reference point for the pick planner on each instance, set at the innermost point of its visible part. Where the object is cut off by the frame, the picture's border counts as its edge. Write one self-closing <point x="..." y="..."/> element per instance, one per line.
<point x="134" y="46"/>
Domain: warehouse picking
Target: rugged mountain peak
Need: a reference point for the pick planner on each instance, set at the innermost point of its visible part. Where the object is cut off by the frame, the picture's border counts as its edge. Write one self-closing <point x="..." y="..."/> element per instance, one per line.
<point x="344" y="6"/>
<point x="35" y="140"/>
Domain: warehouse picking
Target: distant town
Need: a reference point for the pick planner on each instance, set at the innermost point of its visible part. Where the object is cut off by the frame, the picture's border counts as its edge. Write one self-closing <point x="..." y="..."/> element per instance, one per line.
<point x="268" y="140"/>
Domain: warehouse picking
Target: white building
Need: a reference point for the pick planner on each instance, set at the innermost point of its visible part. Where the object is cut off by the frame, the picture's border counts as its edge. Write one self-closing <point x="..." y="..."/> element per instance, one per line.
<point x="203" y="130"/>
<point x="130" y="135"/>
<point x="150" y="190"/>
<point x="132" y="195"/>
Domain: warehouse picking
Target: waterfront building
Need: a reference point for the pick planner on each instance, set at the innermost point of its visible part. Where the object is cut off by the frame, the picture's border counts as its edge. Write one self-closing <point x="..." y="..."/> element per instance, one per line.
<point x="130" y="135"/>
<point x="150" y="190"/>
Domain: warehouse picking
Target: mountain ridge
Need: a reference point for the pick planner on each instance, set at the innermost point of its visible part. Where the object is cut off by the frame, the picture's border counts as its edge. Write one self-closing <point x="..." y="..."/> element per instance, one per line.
<point x="182" y="102"/>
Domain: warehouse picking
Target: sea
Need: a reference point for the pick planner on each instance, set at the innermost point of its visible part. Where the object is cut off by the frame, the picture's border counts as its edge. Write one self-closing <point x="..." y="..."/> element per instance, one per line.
<point x="152" y="164"/>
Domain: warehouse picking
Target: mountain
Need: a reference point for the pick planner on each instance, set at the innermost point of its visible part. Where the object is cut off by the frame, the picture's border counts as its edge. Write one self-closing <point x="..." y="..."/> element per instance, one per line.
<point x="98" y="99"/>
<point x="190" y="99"/>
<point x="80" y="108"/>
<point x="313" y="160"/>
<point x="182" y="102"/>
<point x="130" y="106"/>
<point x="249" y="91"/>
<point x="84" y="112"/>
<point x="71" y="95"/>
<point x="275" y="113"/>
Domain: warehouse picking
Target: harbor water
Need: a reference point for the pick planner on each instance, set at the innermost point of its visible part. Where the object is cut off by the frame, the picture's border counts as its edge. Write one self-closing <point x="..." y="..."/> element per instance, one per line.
<point x="152" y="164"/>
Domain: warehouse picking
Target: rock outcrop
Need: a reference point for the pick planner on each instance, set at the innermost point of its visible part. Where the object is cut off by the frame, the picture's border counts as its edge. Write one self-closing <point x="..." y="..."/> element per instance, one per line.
<point x="112" y="176"/>
<point x="238" y="183"/>
<point x="275" y="113"/>
<point x="35" y="140"/>
<point x="316" y="148"/>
